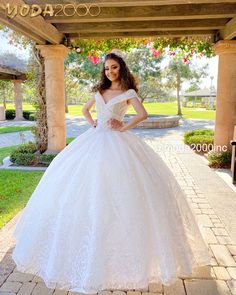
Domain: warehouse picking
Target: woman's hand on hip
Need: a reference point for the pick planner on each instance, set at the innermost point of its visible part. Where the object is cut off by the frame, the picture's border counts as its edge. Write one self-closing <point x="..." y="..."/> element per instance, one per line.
<point x="115" y="124"/>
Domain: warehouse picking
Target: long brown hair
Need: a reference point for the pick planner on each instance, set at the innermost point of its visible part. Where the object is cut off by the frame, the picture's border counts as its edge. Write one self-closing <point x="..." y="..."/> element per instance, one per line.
<point x="126" y="77"/>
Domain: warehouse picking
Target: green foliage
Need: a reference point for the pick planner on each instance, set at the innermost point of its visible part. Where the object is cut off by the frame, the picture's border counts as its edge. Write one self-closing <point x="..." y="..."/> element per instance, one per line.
<point x="100" y="46"/>
<point x="178" y="47"/>
<point x="10" y="114"/>
<point x="32" y="117"/>
<point x="220" y="159"/>
<point x="28" y="115"/>
<point x="142" y="64"/>
<point x="46" y="159"/>
<point x="200" y="140"/>
<point x="26" y="148"/>
<point x="26" y="155"/>
<point x="79" y="69"/>
<point x="186" y="46"/>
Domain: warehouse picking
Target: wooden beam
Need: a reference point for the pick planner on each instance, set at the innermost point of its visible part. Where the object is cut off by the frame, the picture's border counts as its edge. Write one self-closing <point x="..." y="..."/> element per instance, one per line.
<point x="111" y="35"/>
<point x="229" y="31"/>
<point x="123" y="3"/>
<point x="136" y="26"/>
<point x="37" y="25"/>
<point x="20" y="29"/>
<point x="11" y="74"/>
<point x="158" y="12"/>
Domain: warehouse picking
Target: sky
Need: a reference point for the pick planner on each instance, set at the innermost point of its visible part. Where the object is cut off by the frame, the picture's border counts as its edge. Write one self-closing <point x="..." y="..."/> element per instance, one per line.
<point x="205" y="82"/>
<point x="6" y="47"/>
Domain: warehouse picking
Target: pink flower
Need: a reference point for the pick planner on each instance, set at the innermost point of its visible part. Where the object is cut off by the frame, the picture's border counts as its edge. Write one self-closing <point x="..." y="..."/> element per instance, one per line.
<point x="185" y="59"/>
<point x="156" y="52"/>
<point x="94" y="59"/>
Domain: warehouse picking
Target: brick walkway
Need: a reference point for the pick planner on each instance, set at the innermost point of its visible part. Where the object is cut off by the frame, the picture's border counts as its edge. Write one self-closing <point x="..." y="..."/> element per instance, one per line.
<point x="219" y="279"/>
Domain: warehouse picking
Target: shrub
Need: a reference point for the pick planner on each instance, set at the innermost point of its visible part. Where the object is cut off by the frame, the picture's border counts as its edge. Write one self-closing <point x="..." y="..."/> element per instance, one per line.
<point x="220" y="159"/>
<point x="200" y="140"/>
<point x="28" y="115"/>
<point x="32" y="117"/>
<point x="26" y="159"/>
<point x="47" y="159"/>
<point x="27" y="155"/>
<point x="10" y="114"/>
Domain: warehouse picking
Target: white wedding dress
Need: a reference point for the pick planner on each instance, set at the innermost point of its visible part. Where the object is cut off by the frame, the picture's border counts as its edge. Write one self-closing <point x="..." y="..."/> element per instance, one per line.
<point x="108" y="214"/>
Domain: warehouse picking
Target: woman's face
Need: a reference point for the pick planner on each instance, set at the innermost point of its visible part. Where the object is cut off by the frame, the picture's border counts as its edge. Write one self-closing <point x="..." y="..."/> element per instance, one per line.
<point x="112" y="70"/>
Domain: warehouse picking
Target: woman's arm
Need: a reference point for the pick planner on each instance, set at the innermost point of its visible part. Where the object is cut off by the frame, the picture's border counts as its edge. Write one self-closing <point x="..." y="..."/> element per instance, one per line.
<point x="86" y="111"/>
<point x="141" y="114"/>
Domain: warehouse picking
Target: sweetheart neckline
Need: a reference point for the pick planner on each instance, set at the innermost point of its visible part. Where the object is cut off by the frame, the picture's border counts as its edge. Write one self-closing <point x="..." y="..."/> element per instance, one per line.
<point x="112" y="97"/>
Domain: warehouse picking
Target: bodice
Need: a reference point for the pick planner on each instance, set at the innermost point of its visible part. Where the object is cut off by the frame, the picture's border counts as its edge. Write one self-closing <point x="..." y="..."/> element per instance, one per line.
<point x="115" y="108"/>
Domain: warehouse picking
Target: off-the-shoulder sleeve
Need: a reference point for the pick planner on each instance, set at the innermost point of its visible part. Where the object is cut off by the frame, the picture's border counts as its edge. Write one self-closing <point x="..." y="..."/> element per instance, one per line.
<point x="133" y="94"/>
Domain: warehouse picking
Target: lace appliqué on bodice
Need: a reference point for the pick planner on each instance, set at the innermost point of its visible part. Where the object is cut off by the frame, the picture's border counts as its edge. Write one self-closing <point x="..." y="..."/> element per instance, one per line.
<point x="115" y="108"/>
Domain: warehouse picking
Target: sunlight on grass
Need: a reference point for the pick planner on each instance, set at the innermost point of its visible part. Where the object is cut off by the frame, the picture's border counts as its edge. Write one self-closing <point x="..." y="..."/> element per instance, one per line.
<point x="16" y="189"/>
<point x="26" y="107"/>
<point x="162" y="108"/>
<point x="10" y="129"/>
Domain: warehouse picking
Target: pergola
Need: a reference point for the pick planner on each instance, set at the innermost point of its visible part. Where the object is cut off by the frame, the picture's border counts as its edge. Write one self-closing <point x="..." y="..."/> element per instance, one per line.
<point x="128" y="18"/>
<point x="17" y="77"/>
<point x="203" y="93"/>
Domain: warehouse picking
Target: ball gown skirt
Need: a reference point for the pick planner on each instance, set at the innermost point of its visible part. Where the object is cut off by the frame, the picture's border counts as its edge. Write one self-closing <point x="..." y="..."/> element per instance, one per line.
<point x="108" y="214"/>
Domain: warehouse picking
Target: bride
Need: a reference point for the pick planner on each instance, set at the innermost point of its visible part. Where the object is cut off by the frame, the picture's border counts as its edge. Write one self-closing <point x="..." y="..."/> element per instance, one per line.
<point x="108" y="213"/>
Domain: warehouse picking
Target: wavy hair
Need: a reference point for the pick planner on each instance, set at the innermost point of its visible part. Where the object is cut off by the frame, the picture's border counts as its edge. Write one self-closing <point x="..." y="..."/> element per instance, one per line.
<point x="126" y="77"/>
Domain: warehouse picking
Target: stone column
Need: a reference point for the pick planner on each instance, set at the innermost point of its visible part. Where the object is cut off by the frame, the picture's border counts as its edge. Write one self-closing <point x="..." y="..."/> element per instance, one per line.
<point x="226" y="93"/>
<point x="54" y="56"/>
<point x="18" y="100"/>
<point x="2" y="114"/>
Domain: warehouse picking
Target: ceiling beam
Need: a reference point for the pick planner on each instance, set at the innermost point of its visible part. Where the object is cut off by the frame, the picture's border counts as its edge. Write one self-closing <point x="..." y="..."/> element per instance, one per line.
<point x="229" y="31"/>
<point x="36" y="28"/>
<point x="111" y="35"/>
<point x="158" y="12"/>
<point x="143" y="26"/>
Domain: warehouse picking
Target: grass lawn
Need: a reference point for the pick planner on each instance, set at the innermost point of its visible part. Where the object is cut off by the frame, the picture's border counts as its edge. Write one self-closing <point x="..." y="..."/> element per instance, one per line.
<point x="5" y="151"/>
<point x="26" y="107"/>
<point x="162" y="108"/>
<point x="9" y="129"/>
<point x="16" y="187"/>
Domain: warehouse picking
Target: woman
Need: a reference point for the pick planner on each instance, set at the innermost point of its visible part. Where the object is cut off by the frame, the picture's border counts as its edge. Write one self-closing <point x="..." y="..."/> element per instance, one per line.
<point x="108" y="213"/>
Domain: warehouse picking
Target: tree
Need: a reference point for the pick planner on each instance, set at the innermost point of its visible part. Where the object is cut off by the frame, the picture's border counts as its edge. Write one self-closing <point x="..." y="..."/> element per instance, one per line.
<point x="6" y="92"/>
<point x="146" y="68"/>
<point x="178" y="71"/>
<point x="82" y="69"/>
